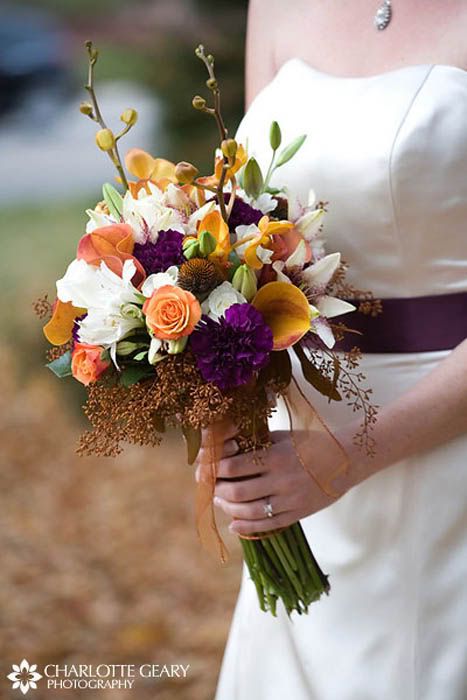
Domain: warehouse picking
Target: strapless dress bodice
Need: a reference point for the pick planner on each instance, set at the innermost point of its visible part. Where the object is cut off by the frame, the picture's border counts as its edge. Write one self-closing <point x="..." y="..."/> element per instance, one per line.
<point x="388" y="152"/>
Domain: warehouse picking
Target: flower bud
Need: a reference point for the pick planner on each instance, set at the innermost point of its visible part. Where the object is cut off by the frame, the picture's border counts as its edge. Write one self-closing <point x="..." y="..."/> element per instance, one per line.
<point x="105" y="139"/>
<point x="174" y="347"/>
<point x="253" y="179"/>
<point x="275" y="136"/>
<point x="198" y="102"/>
<point x="126" y="347"/>
<point x="229" y="148"/>
<point x="129" y="117"/>
<point x="185" y="172"/>
<point x="86" y="108"/>
<point x="191" y="248"/>
<point x="211" y="83"/>
<point x="131" y="311"/>
<point x="207" y="243"/>
<point x="245" y="282"/>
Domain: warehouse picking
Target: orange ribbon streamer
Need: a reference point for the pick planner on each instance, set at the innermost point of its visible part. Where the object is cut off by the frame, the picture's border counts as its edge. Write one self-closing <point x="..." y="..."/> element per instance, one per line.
<point x="333" y="462"/>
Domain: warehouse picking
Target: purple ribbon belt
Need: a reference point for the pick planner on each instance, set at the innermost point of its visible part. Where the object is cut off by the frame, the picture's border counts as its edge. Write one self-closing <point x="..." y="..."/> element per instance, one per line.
<point x="416" y="324"/>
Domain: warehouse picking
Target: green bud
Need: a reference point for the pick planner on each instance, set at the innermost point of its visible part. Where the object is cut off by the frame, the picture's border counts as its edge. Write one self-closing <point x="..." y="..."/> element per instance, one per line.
<point x="211" y="83"/>
<point x="275" y="136"/>
<point x="86" y="108"/>
<point x="105" y="139"/>
<point x="131" y="311"/>
<point x="126" y="347"/>
<point x="114" y="200"/>
<point x="207" y="243"/>
<point x="253" y="179"/>
<point x="198" y="102"/>
<point x="129" y="117"/>
<point x="245" y="282"/>
<point x="185" y="172"/>
<point x="229" y="149"/>
<point x="191" y="249"/>
<point x="174" y="347"/>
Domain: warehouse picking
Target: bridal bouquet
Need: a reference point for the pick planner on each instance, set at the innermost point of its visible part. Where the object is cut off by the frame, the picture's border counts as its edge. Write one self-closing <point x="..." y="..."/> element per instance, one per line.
<point x="185" y="299"/>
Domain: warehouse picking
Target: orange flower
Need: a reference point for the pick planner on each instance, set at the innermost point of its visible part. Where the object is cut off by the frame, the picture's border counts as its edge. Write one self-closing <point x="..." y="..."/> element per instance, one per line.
<point x="216" y="226"/>
<point x="87" y="364"/>
<point x="59" y="329"/>
<point x="264" y="238"/>
<point x="240" y="160"/>
<point x="171" y="312"/>
<point x="148" y="169"/>
<point x="286" y="310"/>
<point x="113" y="245"/>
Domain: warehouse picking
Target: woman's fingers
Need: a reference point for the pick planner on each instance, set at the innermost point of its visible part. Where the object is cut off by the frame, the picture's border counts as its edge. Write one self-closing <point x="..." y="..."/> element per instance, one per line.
<point x="230" y="448"/>
<point x="250" y="527"/>
<point x="219" y="432"/>
<point x="252" y="510"/>
<point x="244" y="489"/>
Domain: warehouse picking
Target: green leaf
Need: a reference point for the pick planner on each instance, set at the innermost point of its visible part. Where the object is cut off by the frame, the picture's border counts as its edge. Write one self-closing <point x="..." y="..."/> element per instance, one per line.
<point x="140" y="355"/>
<point x="193" y="442"/>
<point x="273" y="190"/>
<point x="131" y="375"/>
<point x="314" y="377"/>
<point x="114" y="200"/>
<point x="289" y="151"/>
<point x="253" y="179"/>
<point x="61" y="367"/>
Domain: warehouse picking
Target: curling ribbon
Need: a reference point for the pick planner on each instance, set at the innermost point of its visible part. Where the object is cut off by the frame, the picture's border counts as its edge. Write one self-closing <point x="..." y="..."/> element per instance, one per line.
<point x="333" y="462"/>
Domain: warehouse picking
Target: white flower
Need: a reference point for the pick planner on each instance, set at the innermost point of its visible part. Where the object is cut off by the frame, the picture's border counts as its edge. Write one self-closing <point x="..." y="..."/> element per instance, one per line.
<point x="147" y="214"/>
<point x="307" y="221"/>
<point x="154" y="354"/>
<point x="248" y="233"/>
<point x="97" y="219"/>
<point x="108" y="299"/>
<point x="159" y="279"/>
<point x="220" y="299"/>
<point x="198" y="215"/>
<point x="265" y="202"/>
<point x="24" y="676"/>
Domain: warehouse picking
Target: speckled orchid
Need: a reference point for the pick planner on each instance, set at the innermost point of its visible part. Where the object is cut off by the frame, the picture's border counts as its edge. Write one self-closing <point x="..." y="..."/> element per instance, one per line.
<point x="254" y="243"/>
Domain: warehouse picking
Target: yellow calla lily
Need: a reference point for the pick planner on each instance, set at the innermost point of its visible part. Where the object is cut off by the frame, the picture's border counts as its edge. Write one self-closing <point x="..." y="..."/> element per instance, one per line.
<point x="286" y="310"/>
<point x="215" y="224"/>
<point x="58" y="330"/>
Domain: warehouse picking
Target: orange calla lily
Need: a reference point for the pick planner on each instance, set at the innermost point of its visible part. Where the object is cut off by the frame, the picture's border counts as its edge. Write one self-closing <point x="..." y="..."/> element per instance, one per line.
<point x="267" y="229"/>
<point x="58" y="329"/>
<point x="286" y="311"/>
<point x="215" y="224"/>
<point x="148" y="169"/>
<point x="113" y="245"/>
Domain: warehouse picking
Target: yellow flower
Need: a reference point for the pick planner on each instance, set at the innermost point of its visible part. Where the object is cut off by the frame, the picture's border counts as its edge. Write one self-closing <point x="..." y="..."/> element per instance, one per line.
<point x="259" y="240"/>
<point x="148" y="169"/>
<point x="216" y="226"/>
<point x="241" y="157"/>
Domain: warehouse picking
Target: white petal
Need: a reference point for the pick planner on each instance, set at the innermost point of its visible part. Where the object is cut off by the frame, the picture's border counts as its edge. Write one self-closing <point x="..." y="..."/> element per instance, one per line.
<point x="309" y="224"/>
<point x="24" y="687"/>
<point x="320" y="273"/>
<point x="264" y="254"/>
<point x="322" y="328"/>
<point x="159" y="279"/>
<point x="13" y="675"/>
<point x="331" y="306"/>
<point x="198" y="215"/>
<point x="24" y="665"/>
<point x="278" y="266"/>
<point x="153" y="354"/>
<point x="298" y="257"/>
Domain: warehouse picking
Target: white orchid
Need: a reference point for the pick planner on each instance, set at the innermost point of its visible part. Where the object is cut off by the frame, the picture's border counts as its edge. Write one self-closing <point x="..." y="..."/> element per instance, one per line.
<point x="265" y="202"/>
<point x="159" y="279"/>
<point x="221" y="299"/>
<point x="317" y="277"/>
<point x="198" y="215"/>
<point x="147" y="214"/>
<point x="308" y="220"/>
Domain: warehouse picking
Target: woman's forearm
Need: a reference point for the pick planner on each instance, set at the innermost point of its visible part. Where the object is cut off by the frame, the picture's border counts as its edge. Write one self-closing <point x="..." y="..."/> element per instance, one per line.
<point x="432" y="412"/>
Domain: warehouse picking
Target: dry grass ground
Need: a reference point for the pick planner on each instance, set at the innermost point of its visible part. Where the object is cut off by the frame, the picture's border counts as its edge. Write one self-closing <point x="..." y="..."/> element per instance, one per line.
<point x="99" y="558"/>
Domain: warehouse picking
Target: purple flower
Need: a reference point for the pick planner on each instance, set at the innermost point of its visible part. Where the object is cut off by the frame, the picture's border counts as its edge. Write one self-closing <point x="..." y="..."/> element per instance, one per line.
<point x="159" y="256"/>
<point x="230" y="350"/>
<point x="242" y="214"/>
<point x="75" y="329"/>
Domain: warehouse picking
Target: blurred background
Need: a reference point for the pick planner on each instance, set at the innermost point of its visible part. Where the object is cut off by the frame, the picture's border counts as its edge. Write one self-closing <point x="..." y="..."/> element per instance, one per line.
<point x="99" y="559"/>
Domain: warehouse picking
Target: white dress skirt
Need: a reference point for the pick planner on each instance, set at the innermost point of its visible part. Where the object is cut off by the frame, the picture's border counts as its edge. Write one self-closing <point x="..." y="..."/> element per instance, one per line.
<point x="389" y="154"/>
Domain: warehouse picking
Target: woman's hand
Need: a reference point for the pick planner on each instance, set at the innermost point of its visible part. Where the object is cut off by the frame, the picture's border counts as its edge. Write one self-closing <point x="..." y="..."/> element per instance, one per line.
<point x="247" y="482"/>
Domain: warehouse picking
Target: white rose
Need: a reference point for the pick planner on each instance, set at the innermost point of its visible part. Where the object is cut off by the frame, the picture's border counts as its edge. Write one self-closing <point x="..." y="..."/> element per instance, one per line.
<point x="221" y="299"/>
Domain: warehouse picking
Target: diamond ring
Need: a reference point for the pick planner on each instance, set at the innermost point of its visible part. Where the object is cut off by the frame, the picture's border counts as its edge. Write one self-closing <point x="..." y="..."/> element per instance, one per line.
<point x="268" y="509"/>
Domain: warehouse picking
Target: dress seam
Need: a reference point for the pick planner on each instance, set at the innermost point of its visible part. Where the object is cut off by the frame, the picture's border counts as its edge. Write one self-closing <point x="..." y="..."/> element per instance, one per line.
<point x="395" y="212"/>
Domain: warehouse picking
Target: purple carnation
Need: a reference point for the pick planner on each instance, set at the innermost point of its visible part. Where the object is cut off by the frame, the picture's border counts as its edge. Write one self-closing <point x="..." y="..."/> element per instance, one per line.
<point x="242" y="214"/>
<point x="75" y="329"/>
<point x="159" y="256"/>
<point x="228" y="351"/>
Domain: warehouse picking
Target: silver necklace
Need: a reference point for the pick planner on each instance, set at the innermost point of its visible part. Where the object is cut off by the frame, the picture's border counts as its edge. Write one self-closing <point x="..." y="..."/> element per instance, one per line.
<point x="383" y="15"/>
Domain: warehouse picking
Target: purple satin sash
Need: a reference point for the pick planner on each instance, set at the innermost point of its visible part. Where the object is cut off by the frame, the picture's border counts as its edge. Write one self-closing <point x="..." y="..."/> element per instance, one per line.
<point x="416" y="324"/>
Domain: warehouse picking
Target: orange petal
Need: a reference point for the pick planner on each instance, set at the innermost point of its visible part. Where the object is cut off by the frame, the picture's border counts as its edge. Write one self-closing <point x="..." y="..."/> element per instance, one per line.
<point x="139" y="163"/>
<point x="250" y="256"/>
<point x="163" y="170"/>
<point x="58" y="329"/>
<point x="115" y="239"/>
<point x="286" y="311"/>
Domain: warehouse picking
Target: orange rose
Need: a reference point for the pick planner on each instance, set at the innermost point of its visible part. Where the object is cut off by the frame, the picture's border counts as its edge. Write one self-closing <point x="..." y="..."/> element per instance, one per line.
<point x="87" y="364"/>
<point x="171" y="312"/>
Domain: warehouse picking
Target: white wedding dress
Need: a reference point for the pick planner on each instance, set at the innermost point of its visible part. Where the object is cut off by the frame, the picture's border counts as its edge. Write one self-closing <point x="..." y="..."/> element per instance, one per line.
<point x="389" y="154"/>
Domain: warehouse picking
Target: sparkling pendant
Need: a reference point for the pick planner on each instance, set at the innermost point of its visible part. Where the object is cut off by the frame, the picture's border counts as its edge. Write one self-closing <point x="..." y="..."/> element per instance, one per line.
<point x="383" y="15"/>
